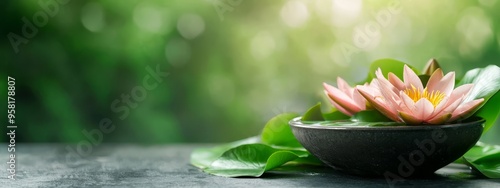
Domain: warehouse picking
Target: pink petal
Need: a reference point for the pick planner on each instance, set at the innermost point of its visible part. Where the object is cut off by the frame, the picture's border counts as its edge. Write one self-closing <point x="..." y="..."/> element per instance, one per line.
<point x="359" y="100"/>
<point x="408" y="102"/>
<point x="449" y="107"/>
<point x="386" y="91"/>
<point x="446" y="84"/>
<point x="409" y="119"/>
<point x="434" y="79"/>
<point x="390" y="93"/>
<point x="465" y="110"/>
<point x="341" y="99"/>
<point x="453" y="101"/>
<point x="396" y="81"/>
<point x="391" y="98"/>
<point x="441" y="106"/>
<point x="369" y="89"/>
<point x="379" y="74"/>
<point x="423" y="109"/>
<point x="461" y="91"/>
<point x="333" y="90"/>
<point x="382" y="81"/>
<point x="345" y="102"/>
<point x="385" y="87"/>
<point x="439" y="119"/>
<point x="390" y="103"/>
<point x="378" y="104"/>
<point x="374" y="83"/>
<point x="344" y="87"/>
<point x="338" y="107"/>
<point x="411" y="79"/>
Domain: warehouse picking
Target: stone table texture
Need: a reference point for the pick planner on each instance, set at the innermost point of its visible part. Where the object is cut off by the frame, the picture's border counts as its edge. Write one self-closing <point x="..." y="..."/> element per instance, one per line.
<point x="122" y="165"/>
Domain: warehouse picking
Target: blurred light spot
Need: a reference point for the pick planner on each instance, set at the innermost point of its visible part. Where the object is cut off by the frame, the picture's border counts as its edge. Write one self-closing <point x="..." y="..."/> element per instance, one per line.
<point x="488" y="3"/>
<point x="402" y="33"/>
<point x="262" y="45"/>
<point x="351" y="7"/>
<point x="475" y="29"/>
<point x="342" y="53"/>
<point x="294" y="13"/>
<point x="322" y="8"/>
<point x="190" y="26"/>
<point x="281" y="42"/>
<point x="221" y="89"/>
<point x="150" y="18"/>
<point x="367" y="36"/>
<point x="177" y="52"/>
<point x="345" y="11"/>
<point x="319" y="63"/>
<point x="93" y="17"/>
<point x="418" y="37"/>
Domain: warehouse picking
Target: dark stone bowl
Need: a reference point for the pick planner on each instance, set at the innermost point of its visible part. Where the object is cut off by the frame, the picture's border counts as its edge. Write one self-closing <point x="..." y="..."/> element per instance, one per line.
<point x="390" y="151"/>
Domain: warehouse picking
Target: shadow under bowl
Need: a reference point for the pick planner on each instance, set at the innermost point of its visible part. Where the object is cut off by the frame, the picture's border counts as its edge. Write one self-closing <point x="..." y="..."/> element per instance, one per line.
<point x="390" y="151"/>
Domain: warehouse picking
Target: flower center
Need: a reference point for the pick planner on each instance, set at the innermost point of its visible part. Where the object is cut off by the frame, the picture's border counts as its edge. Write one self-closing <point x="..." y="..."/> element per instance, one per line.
<point x="434" y="97"/>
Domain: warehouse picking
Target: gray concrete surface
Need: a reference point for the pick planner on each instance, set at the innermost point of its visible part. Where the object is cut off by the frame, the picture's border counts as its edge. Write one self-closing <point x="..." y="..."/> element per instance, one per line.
<point x="120" y="165"/>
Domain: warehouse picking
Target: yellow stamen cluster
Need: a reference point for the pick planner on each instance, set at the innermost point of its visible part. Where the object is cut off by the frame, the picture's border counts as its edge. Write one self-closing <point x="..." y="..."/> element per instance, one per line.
<point x="434" y="97"/>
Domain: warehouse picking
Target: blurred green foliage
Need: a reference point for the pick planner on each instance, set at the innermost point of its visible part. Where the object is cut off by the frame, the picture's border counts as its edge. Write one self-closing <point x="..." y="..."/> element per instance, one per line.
<point x="232" y="64"/>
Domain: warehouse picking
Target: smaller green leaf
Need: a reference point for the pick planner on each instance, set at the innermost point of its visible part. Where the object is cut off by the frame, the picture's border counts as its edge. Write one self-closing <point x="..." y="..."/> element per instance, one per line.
<point x="252" y="160"/>
<point x="277" y="132"/>
<point x="370" y="116"/>
<point x="309" y="160"/>
<point x="335" y="115"/>
<point x="313" y="114"/>
<point x="203" y="157"/>
<point x="485" y="159"/>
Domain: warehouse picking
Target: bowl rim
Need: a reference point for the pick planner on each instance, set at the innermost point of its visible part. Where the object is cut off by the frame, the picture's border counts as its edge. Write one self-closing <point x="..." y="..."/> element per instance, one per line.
<point x="296" y="122"/>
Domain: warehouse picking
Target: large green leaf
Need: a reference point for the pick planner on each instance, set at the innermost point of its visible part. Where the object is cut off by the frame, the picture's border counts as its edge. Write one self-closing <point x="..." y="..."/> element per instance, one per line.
<point x="485" y="159"/>
<point x="277" y="132"/>
<point x="486" y="82"/>
<point x="313" y="114"/>
<point x="388" y="65"/>
<point x="490" y="111"/>
<point x="252" y="160"/>
<point x="250" y="157"/>
<point x="370" y="116"/>
<point x="335" y="115"/>
<point x="486" y="85"/>
<point x="203" y="157"/>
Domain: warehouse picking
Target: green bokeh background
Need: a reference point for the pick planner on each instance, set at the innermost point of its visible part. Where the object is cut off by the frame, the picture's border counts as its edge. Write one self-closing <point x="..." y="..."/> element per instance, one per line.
<point x="232" y="64"/>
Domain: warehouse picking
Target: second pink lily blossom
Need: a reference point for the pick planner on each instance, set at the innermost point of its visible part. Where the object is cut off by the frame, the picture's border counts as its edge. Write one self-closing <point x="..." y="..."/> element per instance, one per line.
<point x="345" y="98"/>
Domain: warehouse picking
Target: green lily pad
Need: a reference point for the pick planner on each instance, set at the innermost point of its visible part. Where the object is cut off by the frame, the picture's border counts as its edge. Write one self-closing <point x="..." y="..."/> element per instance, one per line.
<point x="485" y="159"/>
<point x="486" y="85"/>
<point x="277" y="132"/>
<point x="252" y="160"/>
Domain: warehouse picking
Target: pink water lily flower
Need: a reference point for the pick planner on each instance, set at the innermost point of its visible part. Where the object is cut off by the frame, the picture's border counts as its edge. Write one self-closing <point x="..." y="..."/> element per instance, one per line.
<point x="411" y="103"/>
<point x="345" y="98"/>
